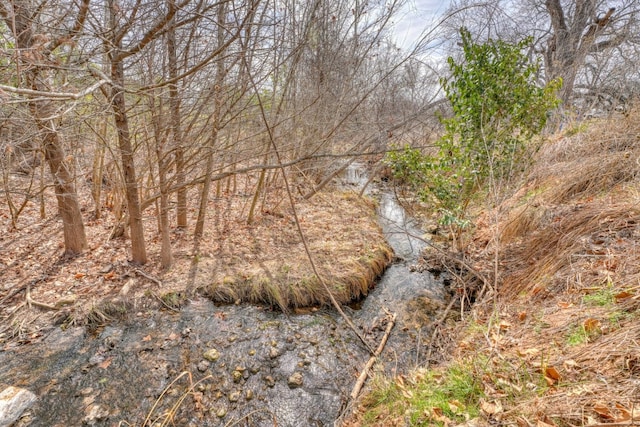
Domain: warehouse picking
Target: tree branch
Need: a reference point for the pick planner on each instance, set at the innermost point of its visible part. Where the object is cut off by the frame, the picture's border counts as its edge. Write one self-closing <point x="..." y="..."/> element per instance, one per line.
<point x="53" y="95"/>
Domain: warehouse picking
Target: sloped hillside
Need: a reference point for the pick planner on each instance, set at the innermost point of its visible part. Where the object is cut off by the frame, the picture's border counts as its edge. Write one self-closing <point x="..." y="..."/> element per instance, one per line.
<point x="557" y="343"/>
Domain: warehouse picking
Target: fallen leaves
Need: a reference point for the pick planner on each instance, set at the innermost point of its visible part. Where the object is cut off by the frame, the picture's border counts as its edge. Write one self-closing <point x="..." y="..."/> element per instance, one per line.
<point x="616" y="413"/>
<point x="105" y="363"/>
<point x="491" y="408"/>
<point x="592" y="326"/>
<point x="620" y="297"/>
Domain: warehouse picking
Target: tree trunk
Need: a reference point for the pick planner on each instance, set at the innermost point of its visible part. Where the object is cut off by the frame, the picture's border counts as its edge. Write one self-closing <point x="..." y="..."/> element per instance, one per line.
<point x="174" y="104"/>
<point x="215" y="126"/>
<point x="138" y="250"/>
<point x="75" y="240"/>
<point x="97" y="172"/>
<point x="43" y="111"/>
<point x="572" y="40"/>
<point x="166" y="257"/>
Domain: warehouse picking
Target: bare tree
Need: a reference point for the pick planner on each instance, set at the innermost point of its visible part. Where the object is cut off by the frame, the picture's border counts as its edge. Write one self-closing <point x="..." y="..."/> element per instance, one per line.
<point x="577" y="39"/>
<point x="35" y="60"/>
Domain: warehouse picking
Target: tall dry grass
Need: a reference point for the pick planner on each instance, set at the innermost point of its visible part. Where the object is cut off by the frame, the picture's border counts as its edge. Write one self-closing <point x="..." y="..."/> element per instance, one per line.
<point x="577" y="215"/>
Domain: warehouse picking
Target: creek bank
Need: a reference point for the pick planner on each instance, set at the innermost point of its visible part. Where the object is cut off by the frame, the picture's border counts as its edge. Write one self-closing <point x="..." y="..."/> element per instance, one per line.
<point x="209" y="365"/>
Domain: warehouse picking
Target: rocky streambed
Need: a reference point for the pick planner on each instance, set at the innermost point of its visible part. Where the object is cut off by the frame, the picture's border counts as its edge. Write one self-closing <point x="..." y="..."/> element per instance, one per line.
<point x="208" y="365"/>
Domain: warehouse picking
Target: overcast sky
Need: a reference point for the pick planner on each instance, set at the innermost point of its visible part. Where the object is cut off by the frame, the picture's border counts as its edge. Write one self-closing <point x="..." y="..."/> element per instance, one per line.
<point x="415" y="18"/>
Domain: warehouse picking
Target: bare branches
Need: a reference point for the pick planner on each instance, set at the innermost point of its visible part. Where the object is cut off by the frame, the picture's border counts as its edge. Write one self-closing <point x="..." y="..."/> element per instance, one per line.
<point x="60" y="96"/>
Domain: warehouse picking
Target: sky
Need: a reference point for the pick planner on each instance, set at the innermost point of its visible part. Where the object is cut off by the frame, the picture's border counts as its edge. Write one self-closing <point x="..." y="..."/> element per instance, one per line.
<point x="415" y="17"/>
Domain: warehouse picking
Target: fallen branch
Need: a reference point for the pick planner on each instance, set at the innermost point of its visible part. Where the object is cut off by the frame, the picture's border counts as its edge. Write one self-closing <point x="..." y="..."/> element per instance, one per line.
<point x="31" y="301"/>
<point x="148" y="276"/>
<point x="367" y="367"/>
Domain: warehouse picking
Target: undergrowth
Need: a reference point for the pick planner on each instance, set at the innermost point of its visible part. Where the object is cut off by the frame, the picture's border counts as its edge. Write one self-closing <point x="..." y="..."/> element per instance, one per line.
<point x="554" y="343"/>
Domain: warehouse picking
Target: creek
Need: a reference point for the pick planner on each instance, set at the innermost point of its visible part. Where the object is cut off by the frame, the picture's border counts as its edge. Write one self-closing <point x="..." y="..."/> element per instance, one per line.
<point x="209" y="365"/>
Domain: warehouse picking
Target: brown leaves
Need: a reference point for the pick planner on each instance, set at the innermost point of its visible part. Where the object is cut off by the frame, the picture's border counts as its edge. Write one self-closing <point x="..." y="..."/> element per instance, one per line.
<point x="592" y="326"/>
<point x="491" y="408"/>
<point x="619" y="297"/>
<point x="438" y="415"/>
<point x="105" y="363"/>
<point x="551" y="375"/>
<point x="617" y="413"/>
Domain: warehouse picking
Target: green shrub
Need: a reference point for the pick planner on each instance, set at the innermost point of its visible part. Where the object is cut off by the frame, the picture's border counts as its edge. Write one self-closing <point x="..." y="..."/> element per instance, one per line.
<point x="498" y="107"/>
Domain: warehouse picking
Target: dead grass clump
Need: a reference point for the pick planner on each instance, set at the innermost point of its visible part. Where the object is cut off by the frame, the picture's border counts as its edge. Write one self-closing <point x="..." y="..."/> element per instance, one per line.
<point x="590" y="162"/>
<point x="269" y="264"/>
<point x="348" y="280"/>
<point x="578" y="239"/>
<point x="107" y="312"/>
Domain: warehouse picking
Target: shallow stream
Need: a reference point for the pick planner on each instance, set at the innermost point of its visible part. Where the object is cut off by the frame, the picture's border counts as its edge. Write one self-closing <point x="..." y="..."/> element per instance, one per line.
<point x="230" y="365"/>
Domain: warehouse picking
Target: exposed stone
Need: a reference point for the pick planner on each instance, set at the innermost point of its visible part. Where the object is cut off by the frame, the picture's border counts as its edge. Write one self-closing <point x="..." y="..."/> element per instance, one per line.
<point x="211" y="355"/>
<point x="203" y="365"/>
<point x="270" y="381"/>
<point x="295" y="380"/>
<point x="234" y="396"/>
<point x="13" y="402"/>
<point x="248" y="394"/>
<point x="273" y="353"/>
<point x="94" y="413"/>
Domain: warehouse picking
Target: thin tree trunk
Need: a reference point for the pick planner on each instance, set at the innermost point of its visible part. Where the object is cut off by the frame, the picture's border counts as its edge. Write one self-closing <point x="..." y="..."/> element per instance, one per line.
<point x="175" y="118"/>
<point x="204" y="195"/>
<point x="215" y="127"/>
<point x="166" y="257"/>
<point x="138" y="249"/>
<point x="98" y="171"/>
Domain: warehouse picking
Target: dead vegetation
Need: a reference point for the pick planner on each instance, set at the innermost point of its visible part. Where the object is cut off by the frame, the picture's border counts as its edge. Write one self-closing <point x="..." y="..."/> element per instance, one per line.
<point x="263" y="262"/>
<point x="557" y="343"/>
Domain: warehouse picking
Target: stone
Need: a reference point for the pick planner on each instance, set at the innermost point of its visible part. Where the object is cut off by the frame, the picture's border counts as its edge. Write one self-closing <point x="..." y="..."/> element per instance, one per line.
<point x="94" y="413"/>
<point x="13" y="402"/>
<point x="211" y="355"/>
<point x="295" y="380"/>
<point x="270" y="381"/>
<point x="203" y="365"/>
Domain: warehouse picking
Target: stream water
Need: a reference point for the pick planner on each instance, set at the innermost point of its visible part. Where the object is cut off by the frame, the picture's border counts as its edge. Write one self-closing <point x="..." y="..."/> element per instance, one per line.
<point x="213" y="365"/>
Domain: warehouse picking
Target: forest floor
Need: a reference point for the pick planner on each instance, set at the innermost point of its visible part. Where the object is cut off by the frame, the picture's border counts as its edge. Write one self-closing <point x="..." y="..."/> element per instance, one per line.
<point x="555" y="338"/>
<point x="263" y="262"/>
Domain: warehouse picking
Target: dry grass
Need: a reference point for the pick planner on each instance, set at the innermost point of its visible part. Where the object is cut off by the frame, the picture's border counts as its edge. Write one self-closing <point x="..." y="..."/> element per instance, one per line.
<point x="577" y="212"/>
<point x="262" y="262"/>
<point x="272" y="266"/>
<point x="559" y="342"/>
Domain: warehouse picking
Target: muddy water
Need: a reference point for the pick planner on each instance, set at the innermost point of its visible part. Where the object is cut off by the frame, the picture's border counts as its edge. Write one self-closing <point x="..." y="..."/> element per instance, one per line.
<point x="226" y="365"/>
